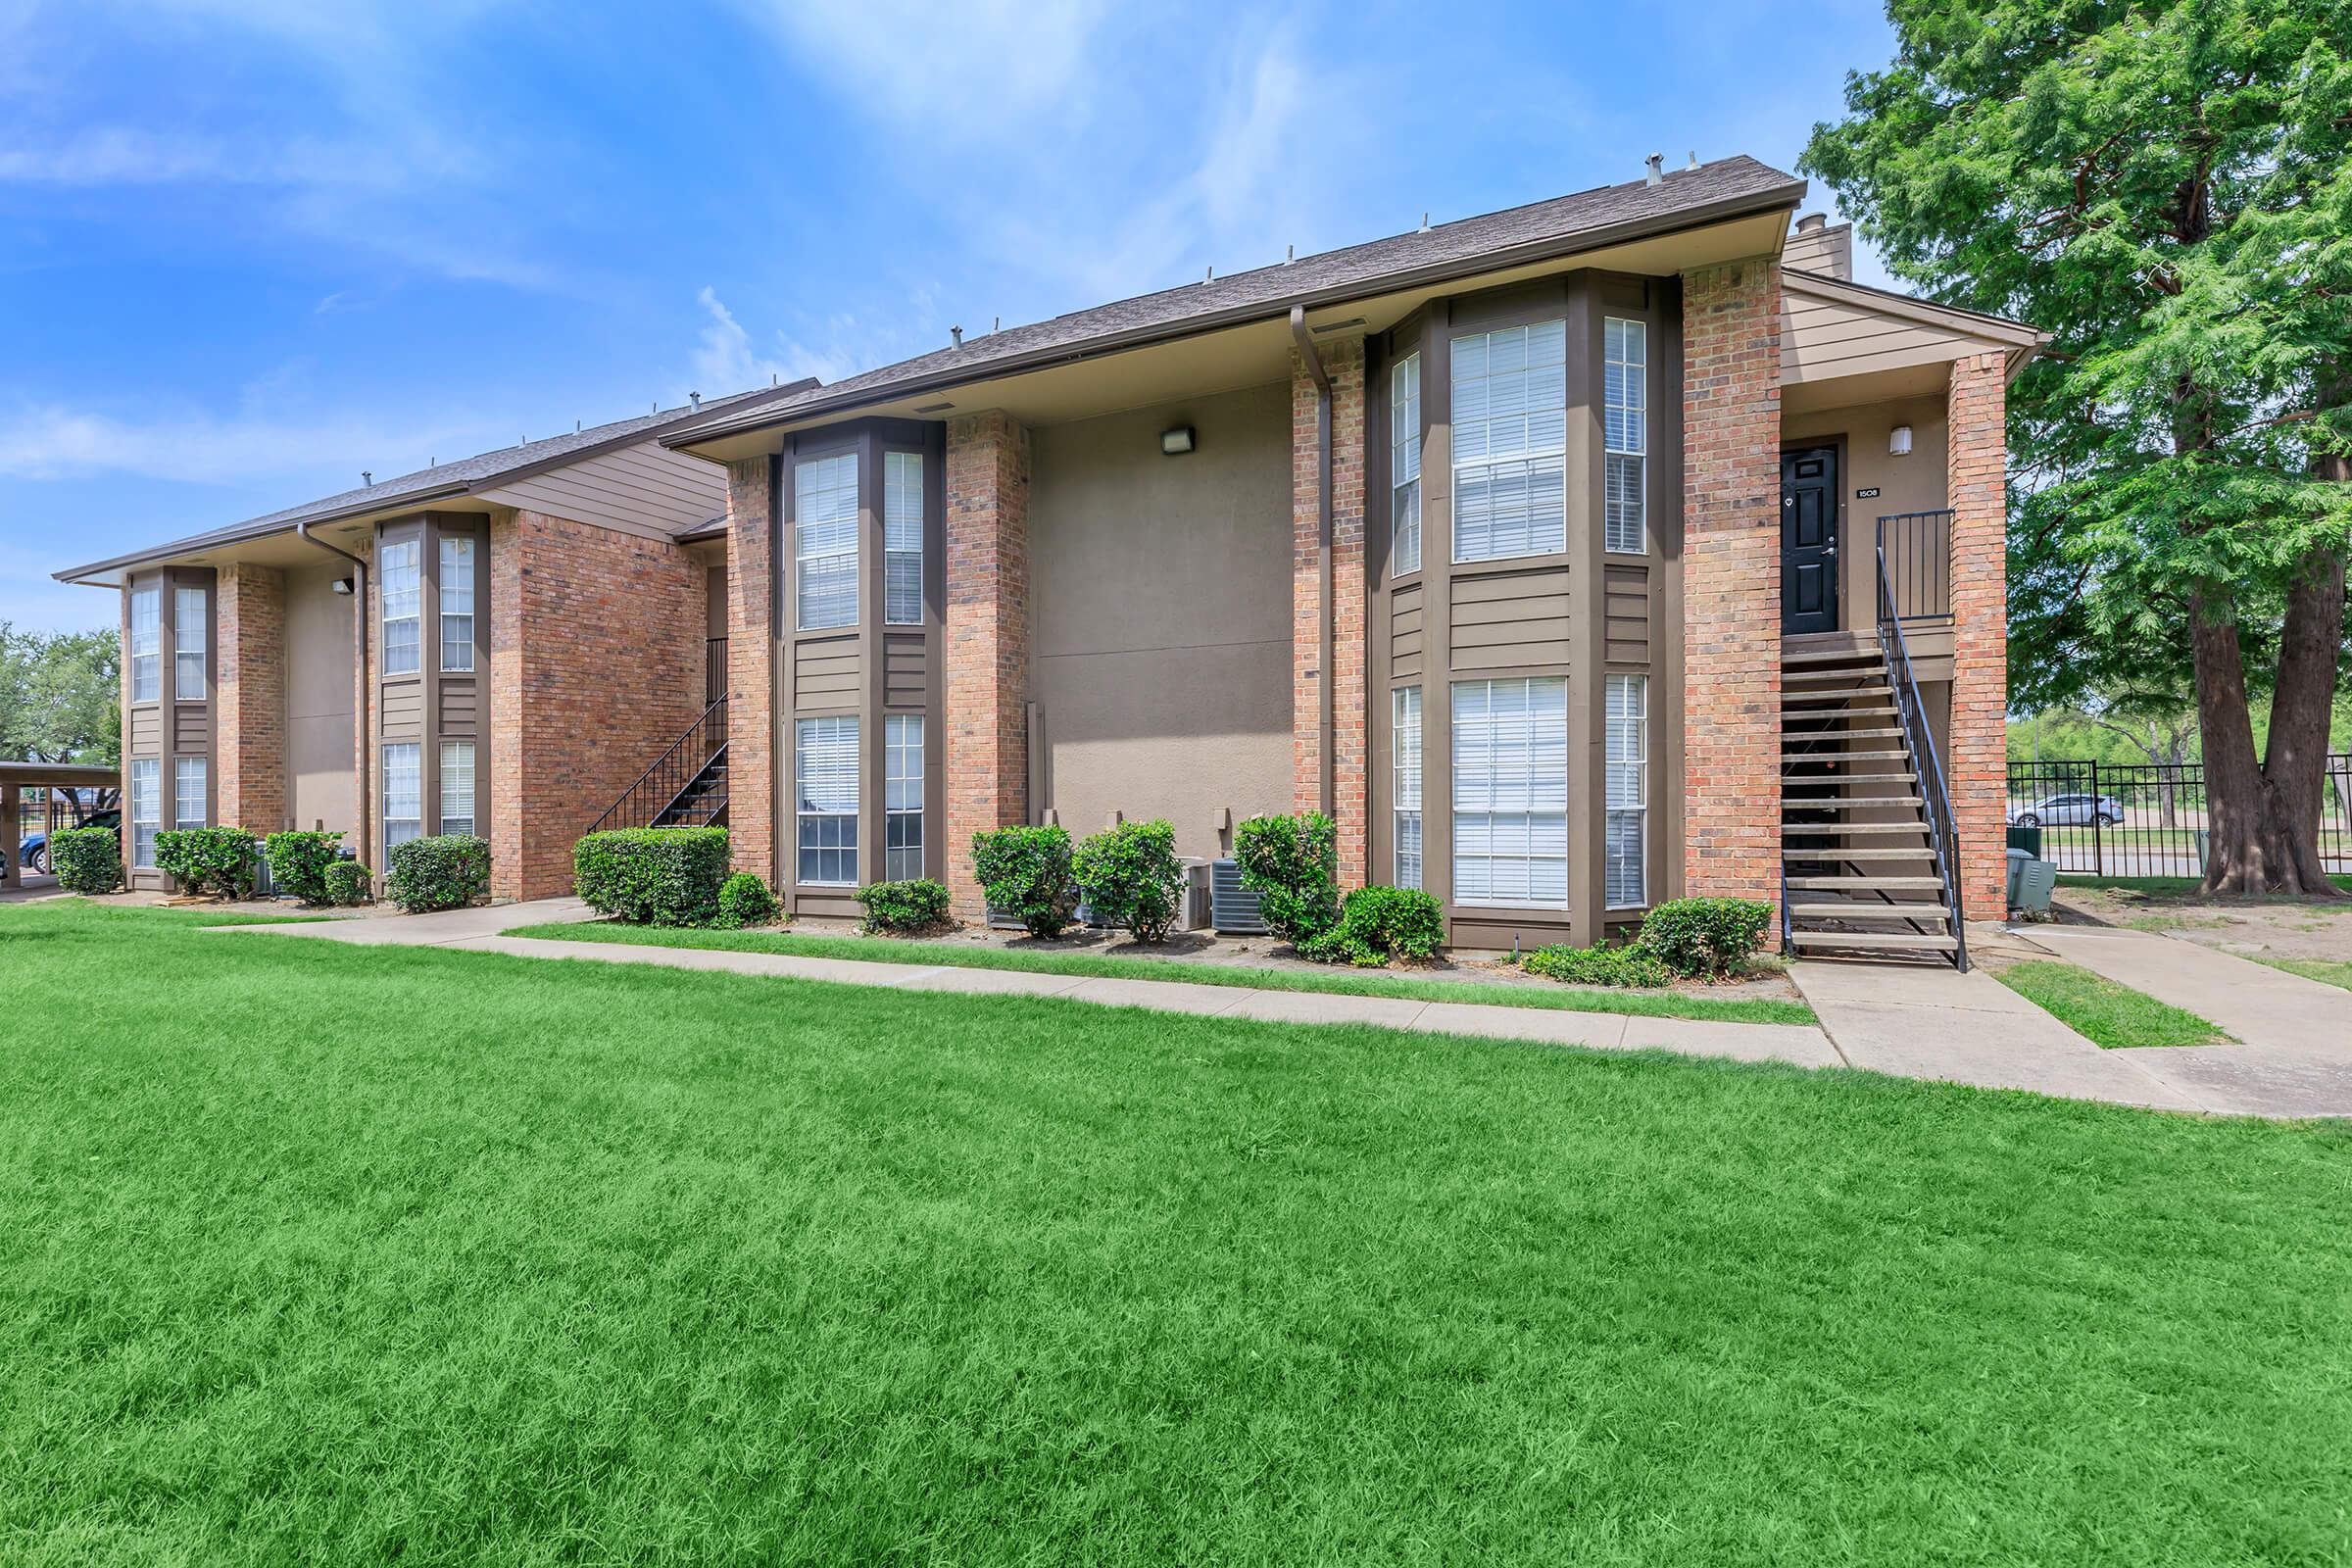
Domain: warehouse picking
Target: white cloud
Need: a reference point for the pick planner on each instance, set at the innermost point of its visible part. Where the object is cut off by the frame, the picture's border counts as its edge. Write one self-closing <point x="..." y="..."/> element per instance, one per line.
<point x="60" y="443"/>
<point x="726" y="360"/>
<point x="947" y="71"/>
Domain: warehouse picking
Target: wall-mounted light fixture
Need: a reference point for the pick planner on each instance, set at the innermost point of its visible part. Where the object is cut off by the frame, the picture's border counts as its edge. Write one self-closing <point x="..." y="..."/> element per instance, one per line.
<point x="1177" y="441"/>
<point x="343" y="586"/>
<point x="1899" y="441"/>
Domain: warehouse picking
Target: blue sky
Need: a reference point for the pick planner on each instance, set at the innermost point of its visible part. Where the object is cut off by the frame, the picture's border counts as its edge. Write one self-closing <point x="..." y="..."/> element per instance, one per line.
<point x="249" y="248"/>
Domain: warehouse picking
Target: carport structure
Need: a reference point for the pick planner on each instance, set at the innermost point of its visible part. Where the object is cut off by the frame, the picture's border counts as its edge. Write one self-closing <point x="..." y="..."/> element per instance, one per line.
<point x="17" y="777"/>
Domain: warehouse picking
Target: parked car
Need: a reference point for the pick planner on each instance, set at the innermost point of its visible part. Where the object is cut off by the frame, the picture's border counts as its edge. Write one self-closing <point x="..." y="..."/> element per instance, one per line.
<point x="33" y="852"/>
<point x="2069" y="810"/>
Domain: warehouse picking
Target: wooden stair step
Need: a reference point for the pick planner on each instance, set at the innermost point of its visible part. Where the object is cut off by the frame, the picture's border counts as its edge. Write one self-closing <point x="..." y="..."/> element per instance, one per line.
<point x="1859" y="909"/>
<point x="1888" y="941"/>
<point x="1842" y="734"/>
<point x="1833" y="696"/>
<point x="1829" y="853"/>
<point x="1846" y="802"/>
<point x="1852" y="778"/>
<point x="1803" y="755"/>
<point x="1849" y="829"/>
<point x="1867" y="884"/>
<point x="1868" y="653"/>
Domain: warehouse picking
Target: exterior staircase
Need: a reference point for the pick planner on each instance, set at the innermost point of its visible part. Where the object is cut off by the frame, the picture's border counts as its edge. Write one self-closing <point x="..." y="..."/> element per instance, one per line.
<point x="1865" y="843"/>
<point x="687" y="784"/>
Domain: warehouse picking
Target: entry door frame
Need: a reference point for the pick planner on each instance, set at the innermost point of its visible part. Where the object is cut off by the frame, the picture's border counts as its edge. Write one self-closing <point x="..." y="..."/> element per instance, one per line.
<point x="1834" y="444"/>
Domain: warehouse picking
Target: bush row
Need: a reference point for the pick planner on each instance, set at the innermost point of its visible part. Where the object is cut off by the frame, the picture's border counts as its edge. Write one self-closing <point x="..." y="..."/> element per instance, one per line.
<point x="1129" y="876"/>
<point x="1682" y="939"/>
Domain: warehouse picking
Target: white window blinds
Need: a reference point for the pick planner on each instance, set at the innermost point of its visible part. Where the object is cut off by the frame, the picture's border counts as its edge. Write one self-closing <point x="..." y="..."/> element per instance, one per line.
<point x="902" y="797"/>
<point x="457" y="604"/>
<point x="404" y="598"/>
<point x="1510" y="793"/>
<point x="1625" y="400"/>
<point x="1510" y="434"/>
<point x="404" y="793"/>
<point x="1404" y="745"/>
<point x="824" y="765"/>
<point x="187" y="792"/>
<point x="456" y="786"/>
<point x="903" y="538"/>
<point x="146" y="807"/>
<point x="146" y="646"/>
<point x="1405" y="465"/>
<point x="1627" y="806"/>
<point x="824" y="510"/>
<point x="190" y="625"/>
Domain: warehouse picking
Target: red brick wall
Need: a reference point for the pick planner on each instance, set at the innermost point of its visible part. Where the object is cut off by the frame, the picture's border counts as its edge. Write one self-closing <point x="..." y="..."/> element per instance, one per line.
<point x="752" y="743"/>
<point x="987" y="763"/>
<point x="249" y="731"/>
<point x="1976" y="464"/>
<point x="596" y="653"/>
<point x="1344" y="363"/>
<point x="1731" y="579"/>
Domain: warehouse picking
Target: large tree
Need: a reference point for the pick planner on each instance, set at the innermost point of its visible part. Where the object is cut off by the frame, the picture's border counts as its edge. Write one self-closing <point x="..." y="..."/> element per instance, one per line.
<point x="59" y="696"/>
<point x="2166" y="188"/>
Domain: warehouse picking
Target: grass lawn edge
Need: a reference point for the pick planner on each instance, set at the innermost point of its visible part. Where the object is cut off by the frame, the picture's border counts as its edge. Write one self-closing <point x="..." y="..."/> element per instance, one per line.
<point x="2110" y="1015"/>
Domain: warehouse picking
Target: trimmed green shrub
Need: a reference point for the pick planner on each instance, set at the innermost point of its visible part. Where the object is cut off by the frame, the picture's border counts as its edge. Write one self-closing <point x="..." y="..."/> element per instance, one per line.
<point x="447" y="872"/>
<point x="1599" y="966"/>
<point x="906" y="908"/>
<point x="1293" y="864"/>
<point x="298" y="863"/>
<point x="1379" y="924"/>
<point x="744" y="899"/>
<point x="86" y="859"/>
<point x="1131" y="877"/>
<point x="1705" y="938"/>
<point x="653" y="875"/>
<point x="208" y="859"/>
<point x="1026" y="870"/>
<point x="348" y="883"/>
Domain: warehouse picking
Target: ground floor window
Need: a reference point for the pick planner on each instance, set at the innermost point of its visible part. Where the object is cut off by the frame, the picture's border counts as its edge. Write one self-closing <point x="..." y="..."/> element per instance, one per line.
<point x="456" y="786"/>
<point x="146" y="807"/>
<point x="404" y="793"/>
<point x="1629" y="791"/>
<point x="1510" y="792"/>
<point x="187" y="792"/>
<point x="902" y="784"/>
<point x="824" y="764"/>
<point x="1405" y="758"/>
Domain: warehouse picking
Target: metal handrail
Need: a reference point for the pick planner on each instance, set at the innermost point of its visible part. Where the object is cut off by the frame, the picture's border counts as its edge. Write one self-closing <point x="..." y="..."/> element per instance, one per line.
<point x="1916" y="551"/>
<point x="673" y="772"/>
<point x="1943" y="834"/>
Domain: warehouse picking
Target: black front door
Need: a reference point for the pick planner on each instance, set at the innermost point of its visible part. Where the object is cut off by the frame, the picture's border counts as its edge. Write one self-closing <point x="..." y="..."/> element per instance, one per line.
<point x="1809" y="540"/>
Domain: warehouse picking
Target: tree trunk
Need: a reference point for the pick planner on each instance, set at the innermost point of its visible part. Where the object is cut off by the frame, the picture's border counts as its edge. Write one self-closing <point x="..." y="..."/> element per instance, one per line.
<point x="2294" y="764"/>
<point x="2246" y="853"/>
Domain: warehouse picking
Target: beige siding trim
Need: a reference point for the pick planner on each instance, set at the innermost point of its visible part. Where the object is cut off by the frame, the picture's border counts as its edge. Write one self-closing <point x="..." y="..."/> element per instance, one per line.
<point x="642" y="490"/>
<point x="1831" y="329"/>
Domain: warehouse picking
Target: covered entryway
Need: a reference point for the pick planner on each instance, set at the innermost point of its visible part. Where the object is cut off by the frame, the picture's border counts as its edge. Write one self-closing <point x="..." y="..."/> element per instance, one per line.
<point x="1808" y="541"/>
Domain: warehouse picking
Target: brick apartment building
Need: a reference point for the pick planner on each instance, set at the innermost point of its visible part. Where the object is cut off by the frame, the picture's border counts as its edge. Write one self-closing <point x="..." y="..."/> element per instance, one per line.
<point x="1571" y="557"/>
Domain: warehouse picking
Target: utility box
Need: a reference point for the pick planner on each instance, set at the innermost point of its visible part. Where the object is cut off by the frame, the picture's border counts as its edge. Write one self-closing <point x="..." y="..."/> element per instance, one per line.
<point x="1233" y="907"/>
<point x="2032" y="881"/>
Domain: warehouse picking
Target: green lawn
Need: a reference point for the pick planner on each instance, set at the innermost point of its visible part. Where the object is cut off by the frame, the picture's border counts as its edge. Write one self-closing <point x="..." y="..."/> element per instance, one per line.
<point x="2107" y="1014"/>
<point x="323" y="1253"/>
<point x="2182" y="887"/>
<point x="1345" y="982"/>
<point x="2332" y="971"/>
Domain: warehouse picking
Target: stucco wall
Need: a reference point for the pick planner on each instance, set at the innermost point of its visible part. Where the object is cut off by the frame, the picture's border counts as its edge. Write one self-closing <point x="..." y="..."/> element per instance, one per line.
<point x="1914" y="483"/>
<point x="1161" y="603"/>
<point x="319" y="695"/>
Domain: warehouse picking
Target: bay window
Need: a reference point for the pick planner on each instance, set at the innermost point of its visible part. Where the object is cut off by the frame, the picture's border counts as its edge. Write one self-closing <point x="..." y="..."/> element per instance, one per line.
<point x="1510" y="792"/>
<point x="403" y="599"/>
<point x="903" y="538"/>
<point x="146" y="644"/>
<point x="189" y="625"/>
<point x="1628" y="805"/>
<point x="404" y="793"/>
<point x="824" y="502"/>
<point x="1625" y="397"/>
<point x="1510" y="442"/>
<point x="146" y="807"/>
<point x="1405" y="747"/>
<point x="457" y="604"/>
<point x="903" y="799"/>
<point x="1405" y="465"/>
<point x="824" y="765"/>
<point x="187" y="792"/>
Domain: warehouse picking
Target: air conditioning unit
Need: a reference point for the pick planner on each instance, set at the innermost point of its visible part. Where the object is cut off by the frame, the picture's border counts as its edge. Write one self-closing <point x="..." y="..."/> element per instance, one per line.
<point x="1233" y="907"/>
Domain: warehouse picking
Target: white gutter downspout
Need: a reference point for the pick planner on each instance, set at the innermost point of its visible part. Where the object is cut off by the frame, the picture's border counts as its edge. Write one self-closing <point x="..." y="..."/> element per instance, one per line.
<point x="1323" y="676"/>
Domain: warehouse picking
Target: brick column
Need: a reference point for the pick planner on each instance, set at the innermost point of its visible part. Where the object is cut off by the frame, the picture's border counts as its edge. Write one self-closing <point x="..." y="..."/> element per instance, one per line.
<point x="1976" y="464"/>
<point x="249" y="733"/>
<point x="987" y="758"/>
<point x="751" y="670"/>
<point x="1731" y="580"/>
<point x="509" y="803"/>
<point x="1344" y="363"/>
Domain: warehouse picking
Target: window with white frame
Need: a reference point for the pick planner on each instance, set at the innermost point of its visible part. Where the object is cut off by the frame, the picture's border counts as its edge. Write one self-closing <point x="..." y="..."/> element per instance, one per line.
<point x="824" y="513"/>
<point x="903" y="538"/>
<point x="1405" y="465"/>
<point x="456" y="786"/>
<point x="146" y="807"/>
<point x="1628" y="807"/>
<point x="1510" y="442"/>
<point x="187" y="792"/>
<point x="902" y="797"/>
<point x="1510" y="792"/>
<point x="404" y="793"/>
<point x="146" y="644"/>
<point x="190" y="624"/>
<point x="404" y="600"/>
<point x="1404" y="751"/>
<point x="824" y="767"/>
<point x="455" y="587"/>
<point x="1626" y="410"/>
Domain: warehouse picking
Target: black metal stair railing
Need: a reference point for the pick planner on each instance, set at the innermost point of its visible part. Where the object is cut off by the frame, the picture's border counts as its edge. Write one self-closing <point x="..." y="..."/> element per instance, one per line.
<point x="1915" y="564"/>
<point x="1921" y="741"/>
<point x="672" y="774"/>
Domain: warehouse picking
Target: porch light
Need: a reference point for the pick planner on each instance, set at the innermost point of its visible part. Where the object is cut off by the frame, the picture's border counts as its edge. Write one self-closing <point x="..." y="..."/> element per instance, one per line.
<point x="1899" y="441"/>
<point x="1177" y="441"/>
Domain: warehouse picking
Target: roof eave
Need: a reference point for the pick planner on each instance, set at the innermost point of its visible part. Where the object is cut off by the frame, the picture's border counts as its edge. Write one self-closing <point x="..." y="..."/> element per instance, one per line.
<point x="1779" y="198"/>
<point x="203" y="544"/>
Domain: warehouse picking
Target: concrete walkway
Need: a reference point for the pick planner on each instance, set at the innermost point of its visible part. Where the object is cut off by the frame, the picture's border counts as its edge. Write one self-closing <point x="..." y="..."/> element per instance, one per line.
<point x="2295" y="1053"/>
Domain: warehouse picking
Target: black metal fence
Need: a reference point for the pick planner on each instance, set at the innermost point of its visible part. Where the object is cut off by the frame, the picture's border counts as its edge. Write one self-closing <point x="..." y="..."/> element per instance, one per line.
<point x="2147" y="819"/>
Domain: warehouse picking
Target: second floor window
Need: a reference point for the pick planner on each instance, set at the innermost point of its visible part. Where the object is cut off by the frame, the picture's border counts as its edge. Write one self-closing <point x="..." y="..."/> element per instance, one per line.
<point x="1405" y="465"/>
<point x="146" y="646"/>
<point x="457" y="604"/>
<point x="189" y="625"/>
<point x="1626" y="404"/>
<point x="903" y="538"/>
<point x="1510" y="442"/>
<point x="825" y="511"/>
<point x="403" y="599"/>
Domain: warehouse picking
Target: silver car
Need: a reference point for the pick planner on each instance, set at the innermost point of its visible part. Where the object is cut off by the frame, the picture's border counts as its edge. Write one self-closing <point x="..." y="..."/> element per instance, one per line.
<point x="2069" y="810"/>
